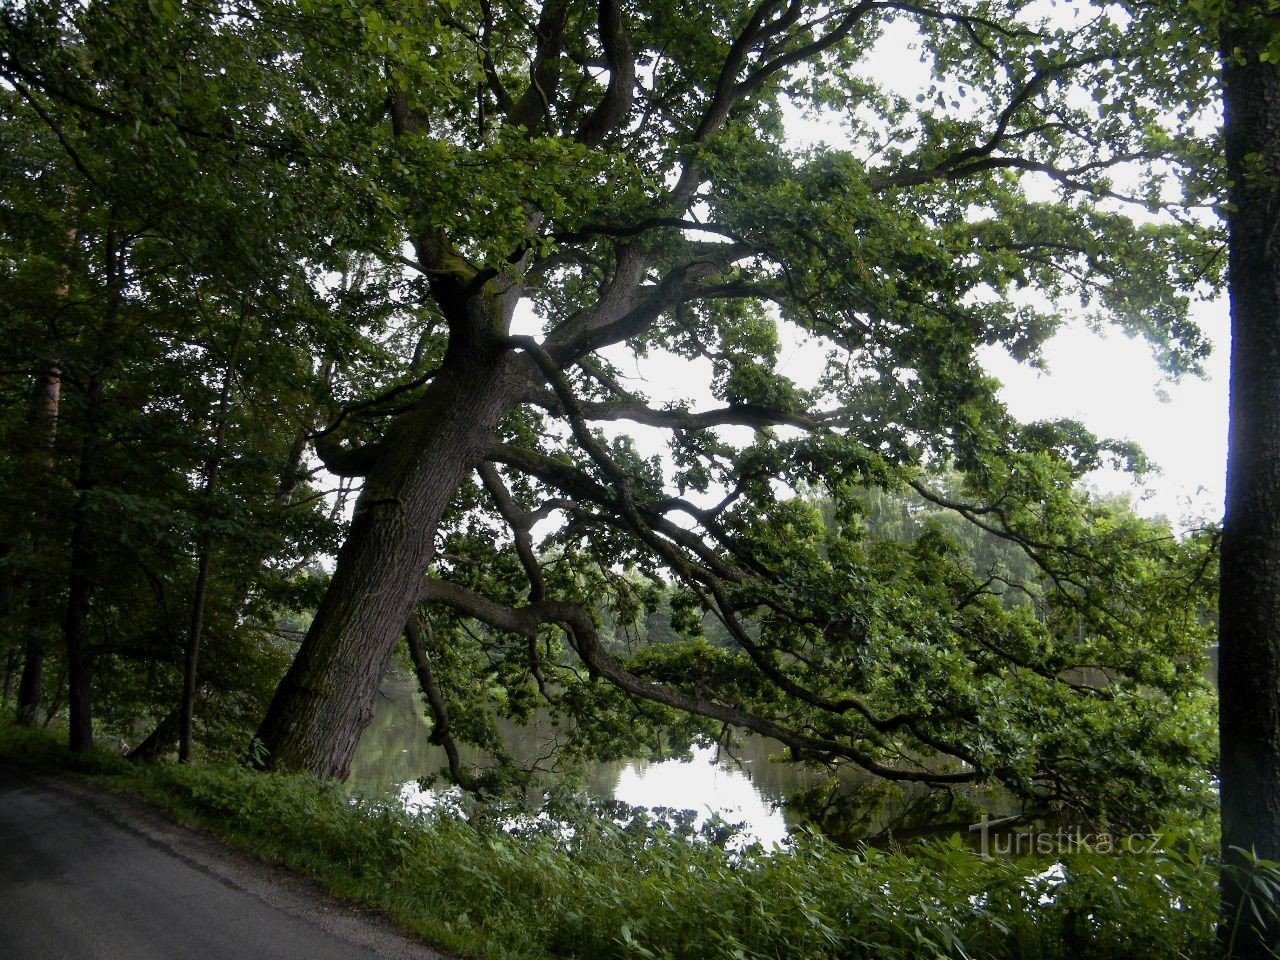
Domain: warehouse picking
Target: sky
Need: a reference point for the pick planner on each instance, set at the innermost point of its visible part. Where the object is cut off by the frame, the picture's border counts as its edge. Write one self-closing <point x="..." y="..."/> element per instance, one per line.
<point x="1106" y="380"/>
<point x="1111" y="384"/>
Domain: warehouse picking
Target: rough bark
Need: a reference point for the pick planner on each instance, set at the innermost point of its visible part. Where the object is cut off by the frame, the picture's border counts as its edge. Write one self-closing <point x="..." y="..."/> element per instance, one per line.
<point x="1249" y="659"/>
<point x="325" y="701"/>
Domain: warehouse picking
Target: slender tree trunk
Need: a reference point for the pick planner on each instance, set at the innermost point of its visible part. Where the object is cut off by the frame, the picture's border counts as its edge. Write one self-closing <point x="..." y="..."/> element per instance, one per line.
<point x="31" y="683"/>
<point x="12" y="661"/>
<point x="45" y="412"/>
<point x="31" y="687"/>
<point x="8" y="595"/>
<point x="191" y="659"/>
<point x="59" y="695"/>
<point x="12" y="657"/>
<point x="325" y="701"/>
<point x="11" y="664"/>
<point x="1249" y="658"/>
<point x="75" y="628"/>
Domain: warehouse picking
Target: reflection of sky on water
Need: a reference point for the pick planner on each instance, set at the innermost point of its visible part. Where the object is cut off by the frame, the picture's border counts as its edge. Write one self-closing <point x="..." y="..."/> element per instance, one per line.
<point x="417" y="800"/>
<point x="701" y="784"/>
<point x="395" y="751"/>
<point x="744" y="786"/>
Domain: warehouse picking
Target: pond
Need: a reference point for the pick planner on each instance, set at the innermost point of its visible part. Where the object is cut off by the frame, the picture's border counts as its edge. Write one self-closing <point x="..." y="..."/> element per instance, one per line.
<point x="744" y="788"/>
<point x="748" y="787"/>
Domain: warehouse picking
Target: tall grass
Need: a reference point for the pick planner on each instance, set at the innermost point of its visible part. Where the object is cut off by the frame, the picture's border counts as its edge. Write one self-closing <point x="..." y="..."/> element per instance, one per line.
<point x="583" y="887"/>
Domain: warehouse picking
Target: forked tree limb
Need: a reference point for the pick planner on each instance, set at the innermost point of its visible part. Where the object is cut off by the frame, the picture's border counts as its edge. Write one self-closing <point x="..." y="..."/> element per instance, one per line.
<point x="580" y="630"/>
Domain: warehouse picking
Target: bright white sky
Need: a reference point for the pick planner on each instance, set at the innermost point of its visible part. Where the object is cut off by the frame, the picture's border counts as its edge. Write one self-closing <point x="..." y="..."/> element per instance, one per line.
<point x="1112" y="385"/>
<point x="1107" y="381"/>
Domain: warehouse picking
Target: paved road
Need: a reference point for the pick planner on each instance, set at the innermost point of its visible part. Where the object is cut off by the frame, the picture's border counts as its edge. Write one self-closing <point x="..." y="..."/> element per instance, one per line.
<point x="88" y="877"/>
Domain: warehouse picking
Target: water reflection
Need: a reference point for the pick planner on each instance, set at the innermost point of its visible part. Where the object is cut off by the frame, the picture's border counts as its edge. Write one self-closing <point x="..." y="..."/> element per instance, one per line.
<point x="706" y="786"/>
<point x="743" y="788"/>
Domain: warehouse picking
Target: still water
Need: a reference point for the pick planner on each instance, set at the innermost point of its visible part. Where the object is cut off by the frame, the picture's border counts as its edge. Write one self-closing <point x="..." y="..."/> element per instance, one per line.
<point x="746" y="787"/>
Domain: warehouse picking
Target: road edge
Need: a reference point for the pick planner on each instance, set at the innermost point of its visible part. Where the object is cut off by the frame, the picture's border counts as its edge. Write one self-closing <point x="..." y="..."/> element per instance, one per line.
<point x="271" y="883"/>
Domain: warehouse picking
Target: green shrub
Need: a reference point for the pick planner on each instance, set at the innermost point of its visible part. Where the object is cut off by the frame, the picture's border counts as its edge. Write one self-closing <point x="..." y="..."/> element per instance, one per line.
<point x="587" y="888"/>
<point x="577" y="885"/>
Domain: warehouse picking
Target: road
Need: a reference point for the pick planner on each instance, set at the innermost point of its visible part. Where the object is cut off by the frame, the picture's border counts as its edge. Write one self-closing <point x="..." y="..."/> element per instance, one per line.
<point x="85" y="876"/>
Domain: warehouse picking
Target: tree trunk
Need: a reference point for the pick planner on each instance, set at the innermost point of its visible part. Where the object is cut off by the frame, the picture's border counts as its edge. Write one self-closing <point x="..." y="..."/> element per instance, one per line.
<point x="75" y="628"/>
<point x="12" y="654"/>
<point x="1249" y="658"/>
<point x="191" y="658"/>
<point x="325" y="701"/>
<point x="31" y="684"/>
<point x="55" y="702"/>
<point x="12" y="660"/>
<point x="31" y="687"/>
<point x="159" y="740"/>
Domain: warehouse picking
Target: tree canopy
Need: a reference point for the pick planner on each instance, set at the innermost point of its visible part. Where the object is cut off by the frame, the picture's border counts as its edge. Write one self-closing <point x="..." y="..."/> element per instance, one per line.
<point x="444" y="236"/>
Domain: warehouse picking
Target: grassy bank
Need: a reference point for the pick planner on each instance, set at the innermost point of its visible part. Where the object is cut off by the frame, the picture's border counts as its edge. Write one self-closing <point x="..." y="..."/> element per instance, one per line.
<point x="598" y="891"/>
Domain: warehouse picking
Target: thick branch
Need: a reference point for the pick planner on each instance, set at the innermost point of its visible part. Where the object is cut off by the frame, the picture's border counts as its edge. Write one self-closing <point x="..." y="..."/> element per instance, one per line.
<point x="544" y="71"/>
<point x="631" y="312"/>
<point x="738" y="415"/>
<point x="613" y="108"/>
<point x="581" y="631"/>
<point x="521" y="524"/>
<point x="440" y="730"/>
<point x="346" y="461"/>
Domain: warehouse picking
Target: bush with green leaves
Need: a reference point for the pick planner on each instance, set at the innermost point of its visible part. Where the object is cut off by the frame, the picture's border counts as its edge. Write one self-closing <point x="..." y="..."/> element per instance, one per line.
<point x="578" y="884"/>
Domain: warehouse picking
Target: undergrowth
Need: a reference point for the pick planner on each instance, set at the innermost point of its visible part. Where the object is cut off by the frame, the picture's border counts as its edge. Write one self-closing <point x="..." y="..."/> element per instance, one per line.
<point x="580" y="887"/>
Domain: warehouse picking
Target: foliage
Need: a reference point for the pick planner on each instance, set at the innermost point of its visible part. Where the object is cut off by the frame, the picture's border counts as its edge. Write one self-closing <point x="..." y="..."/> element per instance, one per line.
<point x="898" y="252"/>
<point x="186" y="348"/>
<point x="378" y="198"/>
<point x="578" y="885"/>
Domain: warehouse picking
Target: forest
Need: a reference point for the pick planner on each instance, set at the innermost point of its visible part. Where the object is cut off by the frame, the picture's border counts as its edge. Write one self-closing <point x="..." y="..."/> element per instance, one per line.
<point x="341" y="334"/>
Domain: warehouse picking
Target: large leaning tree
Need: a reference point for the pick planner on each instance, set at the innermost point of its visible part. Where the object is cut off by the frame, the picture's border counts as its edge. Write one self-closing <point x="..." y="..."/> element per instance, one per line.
<point x="588" y="188"/>
<point x="609" y="254"/>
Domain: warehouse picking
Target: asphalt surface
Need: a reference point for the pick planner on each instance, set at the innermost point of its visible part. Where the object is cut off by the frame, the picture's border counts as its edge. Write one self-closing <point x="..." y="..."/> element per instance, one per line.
<point x="85" y="876"/>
